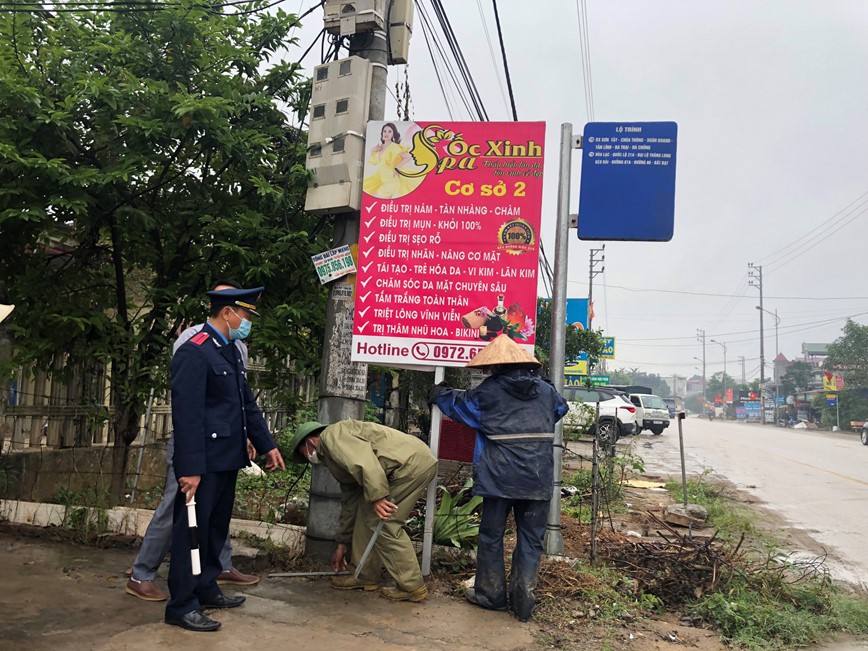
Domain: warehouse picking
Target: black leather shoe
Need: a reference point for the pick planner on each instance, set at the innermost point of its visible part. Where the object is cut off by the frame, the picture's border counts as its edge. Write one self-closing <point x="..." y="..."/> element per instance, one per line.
<point x="224" y="602"/>
<point x="195" y="621"/>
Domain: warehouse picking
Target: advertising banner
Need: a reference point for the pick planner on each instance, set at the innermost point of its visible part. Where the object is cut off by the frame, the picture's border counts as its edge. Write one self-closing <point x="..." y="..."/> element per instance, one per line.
<point x="577" y="366"/>
<point x="575" y="380"/>
<point x="577" y="312"/>
<point x="334" y="263"/>
<point x="753" y="410"/>
<point x="832" y="382"/>
<point x="448" y="241"/>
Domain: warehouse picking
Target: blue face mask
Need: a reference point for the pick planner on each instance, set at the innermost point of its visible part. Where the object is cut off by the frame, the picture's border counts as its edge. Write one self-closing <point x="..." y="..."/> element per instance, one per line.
<point x="243" y="330"/>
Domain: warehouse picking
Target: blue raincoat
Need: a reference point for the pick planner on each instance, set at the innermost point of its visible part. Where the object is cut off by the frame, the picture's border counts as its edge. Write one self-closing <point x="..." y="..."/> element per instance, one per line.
<point x="514" y="413"/>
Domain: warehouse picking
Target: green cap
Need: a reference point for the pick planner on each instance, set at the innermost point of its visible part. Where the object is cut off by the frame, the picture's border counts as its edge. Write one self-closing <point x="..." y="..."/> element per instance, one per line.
<point x="301" y="433"/>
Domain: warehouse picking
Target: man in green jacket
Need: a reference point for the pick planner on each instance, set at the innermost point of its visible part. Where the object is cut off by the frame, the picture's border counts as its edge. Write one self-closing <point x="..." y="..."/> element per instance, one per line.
<point x="382" y="472"/>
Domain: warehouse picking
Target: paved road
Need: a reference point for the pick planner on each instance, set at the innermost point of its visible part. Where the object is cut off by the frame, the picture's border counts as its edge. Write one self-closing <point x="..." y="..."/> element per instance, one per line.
<point x="817" y="481"/>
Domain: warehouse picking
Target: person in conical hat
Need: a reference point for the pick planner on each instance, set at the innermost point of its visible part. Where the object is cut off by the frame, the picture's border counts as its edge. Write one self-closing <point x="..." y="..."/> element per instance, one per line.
<point x="503" y="350"/>
<point x="5" y="310"/>
<point x="514" y="411"/>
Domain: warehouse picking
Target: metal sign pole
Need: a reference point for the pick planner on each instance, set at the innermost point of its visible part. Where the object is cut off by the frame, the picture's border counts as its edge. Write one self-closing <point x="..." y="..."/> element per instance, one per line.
<point x="554" y="540"/>
<point x="431" y="498"/>
<point x="683" y="470"/>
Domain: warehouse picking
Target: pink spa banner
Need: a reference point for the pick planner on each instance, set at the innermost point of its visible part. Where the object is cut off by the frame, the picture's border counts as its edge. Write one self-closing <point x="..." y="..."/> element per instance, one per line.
<point x="449" y="240"/>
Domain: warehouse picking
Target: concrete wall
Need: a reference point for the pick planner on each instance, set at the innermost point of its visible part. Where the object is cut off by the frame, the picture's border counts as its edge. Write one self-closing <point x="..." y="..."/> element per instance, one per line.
<point x="36" y="475"/>
<point x="134" y="522"/>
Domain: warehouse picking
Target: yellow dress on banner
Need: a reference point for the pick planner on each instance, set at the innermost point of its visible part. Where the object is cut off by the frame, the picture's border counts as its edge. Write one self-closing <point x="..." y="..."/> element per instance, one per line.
<point x="385" y="182"/>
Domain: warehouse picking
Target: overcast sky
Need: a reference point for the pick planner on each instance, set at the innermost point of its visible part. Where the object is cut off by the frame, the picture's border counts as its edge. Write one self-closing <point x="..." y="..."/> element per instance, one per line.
<point x="771" y="101"/>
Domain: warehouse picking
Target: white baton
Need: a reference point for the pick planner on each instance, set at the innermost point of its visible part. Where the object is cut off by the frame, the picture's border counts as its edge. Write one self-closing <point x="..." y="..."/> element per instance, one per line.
<point x="194" y="537"/>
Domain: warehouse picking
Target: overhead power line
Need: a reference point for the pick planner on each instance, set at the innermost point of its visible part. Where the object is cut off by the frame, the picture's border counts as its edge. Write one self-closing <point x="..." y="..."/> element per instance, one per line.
<point x="433" y="38"/>
<point x="497" y="74"/>
<point x="779" y="298"/>
<point x="787" y="330"/>
<point x="458" y="55"/>
<point x="790" y="251"/>
<point x="809" y="246"/>
<point x="585" y="47"/>
<point x="505" y="64"/>
<point x="133" y="6"/>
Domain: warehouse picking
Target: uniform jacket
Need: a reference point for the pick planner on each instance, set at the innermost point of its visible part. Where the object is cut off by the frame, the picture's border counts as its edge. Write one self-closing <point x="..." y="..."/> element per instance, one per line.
<point x="514" y="413"/>
<point x="187" y="335"/>
<point x="213" y="410"/>
<point x="366" y="458"/>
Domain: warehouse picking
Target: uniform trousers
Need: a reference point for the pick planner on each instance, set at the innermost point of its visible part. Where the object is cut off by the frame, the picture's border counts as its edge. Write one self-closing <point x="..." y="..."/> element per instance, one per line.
<point x="490" y="585"/>
<point x="215" y="497"/>
<point x="393" y="549"/>
<point x="158" y="537"/>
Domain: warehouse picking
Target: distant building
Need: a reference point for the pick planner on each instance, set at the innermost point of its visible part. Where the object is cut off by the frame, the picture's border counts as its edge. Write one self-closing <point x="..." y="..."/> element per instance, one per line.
<point x="781" y="366"/>
<point x="693" y="385"/>
<point x="678" y="385"/>
<point x="814" y="355"/>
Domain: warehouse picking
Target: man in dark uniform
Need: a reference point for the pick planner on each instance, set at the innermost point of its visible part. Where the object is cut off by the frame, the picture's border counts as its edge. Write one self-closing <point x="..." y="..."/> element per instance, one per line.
<point x="213" y="415"/>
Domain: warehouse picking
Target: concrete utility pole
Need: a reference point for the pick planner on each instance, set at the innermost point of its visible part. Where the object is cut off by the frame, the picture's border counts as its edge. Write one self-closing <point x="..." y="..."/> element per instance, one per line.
<point x="777" y="346"/>
<point x="741" y="359"/>
<point x="700" y="336"/>
<point x="755" y="274"/>
<point x="343" y="384"/>
<point x="724" y="370"/>
<point x="593" y="272"/>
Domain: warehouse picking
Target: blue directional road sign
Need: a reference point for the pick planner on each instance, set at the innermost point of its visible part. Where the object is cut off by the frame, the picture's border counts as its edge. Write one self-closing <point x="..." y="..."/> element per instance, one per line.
<point x="628" y="181"/>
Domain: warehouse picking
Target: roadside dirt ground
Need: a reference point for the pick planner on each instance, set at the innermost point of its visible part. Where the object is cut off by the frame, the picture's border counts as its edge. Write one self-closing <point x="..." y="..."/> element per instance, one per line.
<point x="60" y="595"/>
<point x="64" y="596"/>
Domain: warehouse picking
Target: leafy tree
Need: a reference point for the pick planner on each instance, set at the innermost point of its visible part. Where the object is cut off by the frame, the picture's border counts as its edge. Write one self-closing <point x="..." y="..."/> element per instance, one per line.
<point x="797" y="378"/>
<point x="849" y="353"/>
<point x="577" y="341"/>
<point x="715" y="386"/>
<point x="694" y="403"/>
<point x="143" y="156"/>
<point x="852" y="406"/>
<point x="653" y="381"/>
<point x="620" y="377"/>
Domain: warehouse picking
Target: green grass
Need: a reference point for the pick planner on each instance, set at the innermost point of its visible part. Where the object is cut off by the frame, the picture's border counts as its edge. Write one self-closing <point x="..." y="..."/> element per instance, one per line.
<point x="85" y="512"/>
<point x="268" y="497"/>
<point x="768" y="603"/>
<point x="730" y="519"/>
<point x="602" y="594"/>
<point x="793" y="616"/>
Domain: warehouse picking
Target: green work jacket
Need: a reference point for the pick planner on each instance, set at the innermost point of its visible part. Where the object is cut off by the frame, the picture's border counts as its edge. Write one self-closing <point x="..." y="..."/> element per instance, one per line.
<point x="366" y="458"/>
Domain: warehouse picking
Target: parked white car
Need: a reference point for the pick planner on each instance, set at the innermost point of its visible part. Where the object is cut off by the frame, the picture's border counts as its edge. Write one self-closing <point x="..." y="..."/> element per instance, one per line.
<point x="651" y="412"/>
<point x="617" y="414"/>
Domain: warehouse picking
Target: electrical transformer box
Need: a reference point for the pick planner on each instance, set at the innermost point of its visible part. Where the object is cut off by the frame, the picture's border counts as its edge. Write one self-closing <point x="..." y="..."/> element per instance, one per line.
<point x="340" y="100"/>
<point x="400" y="17"/>
<point x="346" y="18"/>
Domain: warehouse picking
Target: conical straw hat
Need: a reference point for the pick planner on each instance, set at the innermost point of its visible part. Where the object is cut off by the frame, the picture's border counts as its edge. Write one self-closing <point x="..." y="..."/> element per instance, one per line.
<point x="503" y="350"/>
<point x="5" y="310"/>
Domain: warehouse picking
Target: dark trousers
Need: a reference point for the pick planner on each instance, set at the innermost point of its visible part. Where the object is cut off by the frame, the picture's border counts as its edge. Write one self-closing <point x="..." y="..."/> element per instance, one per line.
<point x="214" y="500"/>
<point x="530" y="525"/>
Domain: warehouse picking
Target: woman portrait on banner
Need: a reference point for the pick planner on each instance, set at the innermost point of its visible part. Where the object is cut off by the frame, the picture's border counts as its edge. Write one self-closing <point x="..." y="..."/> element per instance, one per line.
<point x="384" y="180"/>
